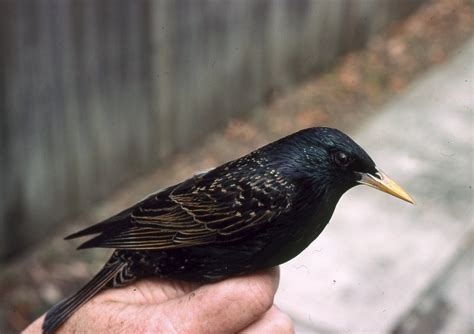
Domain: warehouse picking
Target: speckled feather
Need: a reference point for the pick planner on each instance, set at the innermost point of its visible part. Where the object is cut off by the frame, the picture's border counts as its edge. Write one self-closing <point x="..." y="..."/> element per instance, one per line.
<point x="218" y="206"/>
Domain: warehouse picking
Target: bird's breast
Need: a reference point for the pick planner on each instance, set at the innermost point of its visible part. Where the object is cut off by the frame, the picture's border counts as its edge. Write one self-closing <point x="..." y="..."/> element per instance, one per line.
<point x="299" y="232"/>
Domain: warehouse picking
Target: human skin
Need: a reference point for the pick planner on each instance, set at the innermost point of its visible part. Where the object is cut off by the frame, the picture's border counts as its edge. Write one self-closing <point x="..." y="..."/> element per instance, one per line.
<point x="238" y="304"/>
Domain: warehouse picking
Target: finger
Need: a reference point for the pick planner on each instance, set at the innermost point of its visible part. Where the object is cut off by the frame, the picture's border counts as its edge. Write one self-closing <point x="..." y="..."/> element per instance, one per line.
<point x="148" y="291"/>
<point x="273" y="321"/>
<point x="111" y="310"/>
<point x="222" y="307"/>
<point x="108" y="317"/>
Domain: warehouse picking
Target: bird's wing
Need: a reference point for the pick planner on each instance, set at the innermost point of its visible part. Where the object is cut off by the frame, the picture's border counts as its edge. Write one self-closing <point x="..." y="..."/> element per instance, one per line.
<point x="204" y="209"/>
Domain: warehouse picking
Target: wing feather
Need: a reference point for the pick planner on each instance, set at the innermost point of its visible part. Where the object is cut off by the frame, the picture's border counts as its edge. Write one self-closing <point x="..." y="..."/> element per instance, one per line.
<point x="214" y="207"/>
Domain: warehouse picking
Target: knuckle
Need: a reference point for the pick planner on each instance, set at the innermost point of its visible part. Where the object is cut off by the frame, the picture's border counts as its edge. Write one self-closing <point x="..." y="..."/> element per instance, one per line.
<point x="261" y="295"/>
<point x="284" y="323"/>
<point x="280" y="321"/>
<point x="159" y="325"/>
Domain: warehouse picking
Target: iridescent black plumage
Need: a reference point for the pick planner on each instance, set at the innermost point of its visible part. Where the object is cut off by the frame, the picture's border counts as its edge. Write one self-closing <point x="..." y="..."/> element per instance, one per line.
<point x="251" y="213"/>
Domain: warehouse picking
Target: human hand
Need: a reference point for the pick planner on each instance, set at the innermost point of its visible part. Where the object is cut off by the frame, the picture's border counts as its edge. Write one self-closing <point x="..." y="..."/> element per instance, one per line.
<point x="239" y="304"/>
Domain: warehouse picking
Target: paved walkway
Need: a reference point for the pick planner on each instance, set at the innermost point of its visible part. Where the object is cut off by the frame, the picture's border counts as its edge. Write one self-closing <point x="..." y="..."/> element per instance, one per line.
<point x="385" y="266"/>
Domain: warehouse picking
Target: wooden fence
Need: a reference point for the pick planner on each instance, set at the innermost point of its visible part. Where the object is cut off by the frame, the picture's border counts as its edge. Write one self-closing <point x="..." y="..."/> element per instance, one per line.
<point x="94" y="92"/>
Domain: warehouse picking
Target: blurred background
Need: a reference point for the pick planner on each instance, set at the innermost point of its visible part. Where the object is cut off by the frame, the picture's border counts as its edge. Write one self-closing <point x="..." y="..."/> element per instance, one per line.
<point x="103" y="102"/>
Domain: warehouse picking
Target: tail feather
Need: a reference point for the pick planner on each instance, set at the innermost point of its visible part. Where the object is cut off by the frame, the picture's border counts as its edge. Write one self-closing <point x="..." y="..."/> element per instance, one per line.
<point x="60" y="312"/>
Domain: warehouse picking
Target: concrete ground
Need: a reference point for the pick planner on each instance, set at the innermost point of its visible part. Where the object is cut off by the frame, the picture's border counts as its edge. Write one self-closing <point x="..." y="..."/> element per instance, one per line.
<point x="400" y="268"/>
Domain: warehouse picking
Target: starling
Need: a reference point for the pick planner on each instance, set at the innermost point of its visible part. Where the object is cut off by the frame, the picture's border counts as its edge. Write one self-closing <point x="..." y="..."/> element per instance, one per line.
<point x="252" y="213"/>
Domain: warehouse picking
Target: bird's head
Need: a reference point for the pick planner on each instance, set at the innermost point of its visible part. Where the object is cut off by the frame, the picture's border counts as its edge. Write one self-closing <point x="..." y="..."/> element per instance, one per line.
<point x="330" y="161"/>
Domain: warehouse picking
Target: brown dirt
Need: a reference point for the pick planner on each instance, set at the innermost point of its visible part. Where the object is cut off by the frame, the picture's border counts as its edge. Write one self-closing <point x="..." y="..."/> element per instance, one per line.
<point x="342" y="97"/>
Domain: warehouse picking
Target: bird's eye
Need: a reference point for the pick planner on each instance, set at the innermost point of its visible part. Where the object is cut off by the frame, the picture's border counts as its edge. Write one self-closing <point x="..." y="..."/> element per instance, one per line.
<point x="342" y="159"/>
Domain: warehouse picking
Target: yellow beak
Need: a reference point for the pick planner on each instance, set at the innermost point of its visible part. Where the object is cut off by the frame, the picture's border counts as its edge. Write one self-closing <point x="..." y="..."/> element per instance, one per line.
<point x="384" y="183"/>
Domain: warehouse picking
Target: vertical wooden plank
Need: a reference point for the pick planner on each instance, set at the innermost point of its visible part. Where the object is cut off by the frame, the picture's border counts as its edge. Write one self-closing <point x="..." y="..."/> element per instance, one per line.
<point x="83" y="36"/>
<point x="135" y="84"/>
<point x="163" y="95"/>
<point x="30" y="145"/>
<point x="95" y="19"/>
<point x="67" y="80"/>
<point x="7" y="34"/>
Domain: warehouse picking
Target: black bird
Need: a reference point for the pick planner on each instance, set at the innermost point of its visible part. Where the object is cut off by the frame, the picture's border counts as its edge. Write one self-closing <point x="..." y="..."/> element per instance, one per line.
<point x="255" y="212"/>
